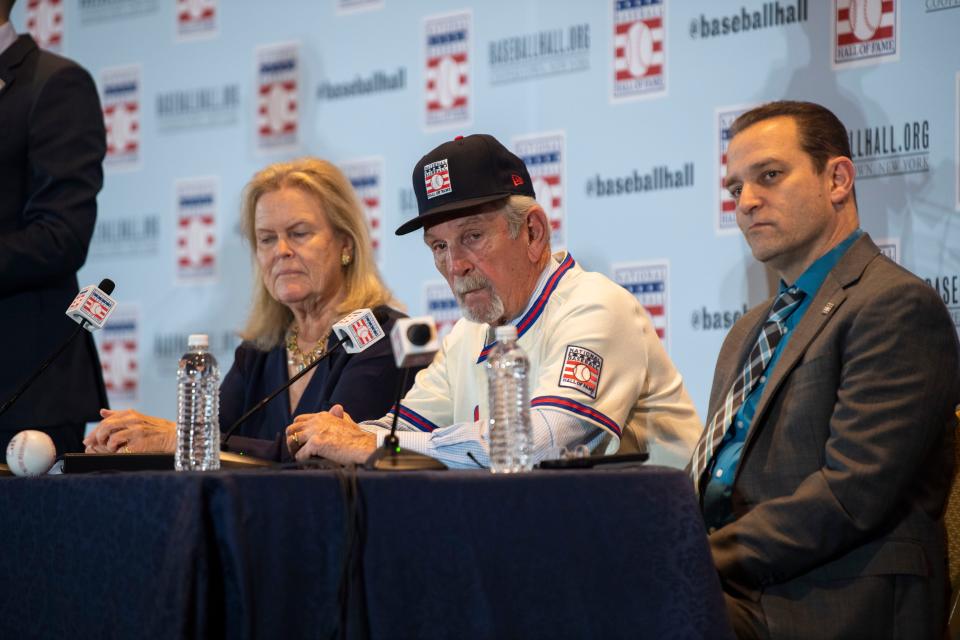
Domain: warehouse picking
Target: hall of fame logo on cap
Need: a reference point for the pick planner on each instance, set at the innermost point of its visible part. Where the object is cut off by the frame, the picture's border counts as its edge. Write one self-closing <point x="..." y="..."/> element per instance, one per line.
<point x="196" y="19"/>
<point x="196" y="230"/>
<point x="581" y="370"/>
<point x="119" y="358"/>
<point x="45" y="23"/>
<point x="544" y="155"/>
<point x="366" y="176"/>
<point x="726" y="213"/>
<point x="647" y="281"/>
<point x="440" y="303"/>
<point x="639" y="55"/>
<point x="278" y="82"/>
<point x="436" y="176"/>
<point x="447" y="72"/>
<point x="120" y="88"/>
<point x="865" y="32"/>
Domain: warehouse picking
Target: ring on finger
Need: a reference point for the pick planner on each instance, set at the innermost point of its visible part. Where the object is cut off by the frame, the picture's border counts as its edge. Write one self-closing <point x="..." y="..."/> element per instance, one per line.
<point x="296" y="438"/>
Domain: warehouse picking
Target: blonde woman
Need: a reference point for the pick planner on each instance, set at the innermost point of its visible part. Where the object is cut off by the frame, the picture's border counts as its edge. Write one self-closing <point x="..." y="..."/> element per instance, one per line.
<point x="313" y="265"/>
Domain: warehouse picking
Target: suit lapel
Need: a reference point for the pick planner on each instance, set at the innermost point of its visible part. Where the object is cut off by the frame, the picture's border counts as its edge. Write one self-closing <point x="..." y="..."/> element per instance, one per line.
<point x="822" y="309"/>
<point x="12" y="58"/>
<point x="828" y="299"/>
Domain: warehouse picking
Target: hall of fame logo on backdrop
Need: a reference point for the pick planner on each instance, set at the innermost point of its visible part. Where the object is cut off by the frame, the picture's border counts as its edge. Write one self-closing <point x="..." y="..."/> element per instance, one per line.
<point x="889" y="247"/>
<point x="639" y="56"/>
<point x="439" y="302"/>
<point x="129" y="235"/>
<point x="92" y="11"/>
<point x="540" y="53"/>
<point x="196" y="230"/>
<point x="726" y="213"/>
<point x="120" y="89"/>
<point x="447" y="69"/>
<point x="196" y="19"/>
<point x="947" y="286"/>
<point x="956" y="134"/>
<point x="118" y="348"/>
<point x="647" y="281"/>
<point x="44" y="20"/>
<point x="865" y="32"/>
<point x="544" y="154"/>
<point x="278" y="98"/>
<point x="879" y="150"/>
<point x="366" y="176"/>
<point x="354" y="6"/>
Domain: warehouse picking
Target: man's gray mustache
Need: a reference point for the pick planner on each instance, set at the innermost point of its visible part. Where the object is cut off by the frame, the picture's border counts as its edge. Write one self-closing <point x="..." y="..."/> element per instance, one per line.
<point x="469" y="283"/>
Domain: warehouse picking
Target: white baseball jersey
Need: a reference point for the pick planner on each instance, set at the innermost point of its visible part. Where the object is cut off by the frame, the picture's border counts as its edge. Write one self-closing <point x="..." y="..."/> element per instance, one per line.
<point x="598" y="371"/>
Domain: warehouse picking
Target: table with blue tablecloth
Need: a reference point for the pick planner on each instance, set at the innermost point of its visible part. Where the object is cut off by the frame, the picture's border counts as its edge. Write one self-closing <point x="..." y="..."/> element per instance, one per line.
<point x="345" y="553"/>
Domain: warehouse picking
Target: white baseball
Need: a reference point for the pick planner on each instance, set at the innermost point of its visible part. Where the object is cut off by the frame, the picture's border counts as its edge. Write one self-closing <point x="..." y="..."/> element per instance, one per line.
<point x="583" y="373"/>
<point x="31" y="453"/>
<point x="865" y="18"/>
<point x="639" y="51"/>
<point x="449" y="86"/>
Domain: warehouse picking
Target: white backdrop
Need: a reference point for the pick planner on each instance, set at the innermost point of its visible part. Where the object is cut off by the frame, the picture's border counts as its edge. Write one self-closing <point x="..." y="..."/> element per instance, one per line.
<point x="619" y="108"/>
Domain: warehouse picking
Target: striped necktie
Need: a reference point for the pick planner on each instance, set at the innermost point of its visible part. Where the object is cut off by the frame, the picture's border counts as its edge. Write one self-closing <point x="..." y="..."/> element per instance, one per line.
<point x="770" y="335"/>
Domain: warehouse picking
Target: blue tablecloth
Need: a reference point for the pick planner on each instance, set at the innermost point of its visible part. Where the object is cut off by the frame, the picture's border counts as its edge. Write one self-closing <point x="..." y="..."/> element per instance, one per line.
<point x="263" y="554"/>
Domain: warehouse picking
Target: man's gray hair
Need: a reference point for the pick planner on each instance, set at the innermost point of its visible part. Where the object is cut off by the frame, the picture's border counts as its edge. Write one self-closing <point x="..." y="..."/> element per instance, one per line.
<point x="516" y="210"/>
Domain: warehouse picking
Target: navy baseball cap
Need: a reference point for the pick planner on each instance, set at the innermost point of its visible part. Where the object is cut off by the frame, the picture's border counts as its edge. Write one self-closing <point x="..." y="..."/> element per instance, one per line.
<point x="462" y="173"/>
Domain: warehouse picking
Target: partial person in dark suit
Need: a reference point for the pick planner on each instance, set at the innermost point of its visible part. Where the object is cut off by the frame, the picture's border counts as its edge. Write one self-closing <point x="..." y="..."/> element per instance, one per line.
<point x="313" y="265"/>
<point x="52" y="144"/>
<point x="827" y="460"/>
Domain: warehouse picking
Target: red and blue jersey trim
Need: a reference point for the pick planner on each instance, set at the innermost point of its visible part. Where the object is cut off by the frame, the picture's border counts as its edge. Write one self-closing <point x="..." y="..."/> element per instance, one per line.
<point x="415" y="419"/>
<point x="583" y="410"/>
<point x="536" y="309"/>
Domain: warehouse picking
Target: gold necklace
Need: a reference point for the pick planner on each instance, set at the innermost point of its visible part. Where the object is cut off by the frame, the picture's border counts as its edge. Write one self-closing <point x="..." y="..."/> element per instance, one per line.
<point x="297" y="358"/>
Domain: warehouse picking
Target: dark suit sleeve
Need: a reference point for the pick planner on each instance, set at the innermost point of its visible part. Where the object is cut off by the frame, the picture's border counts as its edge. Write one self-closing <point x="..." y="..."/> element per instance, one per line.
<point x="368" y="385"/>
<point x="232" y="390"/>
<point x="897" y="385"/>
<point x="66" y="146"/>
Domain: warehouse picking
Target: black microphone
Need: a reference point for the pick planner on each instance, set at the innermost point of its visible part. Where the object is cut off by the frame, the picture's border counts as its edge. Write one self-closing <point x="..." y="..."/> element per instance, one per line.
<point x="356" y="332"/>
<point x="90" y="309"/>
<point x="415" y="342"/>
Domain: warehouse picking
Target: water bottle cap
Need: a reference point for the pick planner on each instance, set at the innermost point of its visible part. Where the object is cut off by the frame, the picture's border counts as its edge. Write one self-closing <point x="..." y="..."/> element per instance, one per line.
<point x="198" y="340"/>
<point x="506" y="332"/>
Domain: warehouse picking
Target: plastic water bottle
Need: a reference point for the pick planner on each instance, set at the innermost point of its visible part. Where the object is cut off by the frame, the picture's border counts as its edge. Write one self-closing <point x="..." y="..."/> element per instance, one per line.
<point x="198" y="408"/>
<point x="511" y="436"/>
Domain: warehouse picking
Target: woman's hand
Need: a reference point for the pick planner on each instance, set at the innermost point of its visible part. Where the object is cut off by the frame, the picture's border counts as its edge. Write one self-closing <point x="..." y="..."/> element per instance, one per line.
<point x="130" y="431"/>
<point x="332" y="435"/>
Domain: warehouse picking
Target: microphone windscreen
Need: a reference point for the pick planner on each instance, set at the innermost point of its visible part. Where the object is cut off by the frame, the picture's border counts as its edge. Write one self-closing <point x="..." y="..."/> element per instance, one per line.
<point x="419" y="334"/>
<point x="414" y="341"/>
<point x="107" y="286"/>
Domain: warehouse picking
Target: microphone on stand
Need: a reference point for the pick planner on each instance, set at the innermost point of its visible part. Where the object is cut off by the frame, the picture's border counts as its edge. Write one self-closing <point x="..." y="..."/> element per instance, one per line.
<point x="93" y="305"/>
<point x="355" y="332"/>
<point x="415" y="342"/>
<point x="90" y="309"/>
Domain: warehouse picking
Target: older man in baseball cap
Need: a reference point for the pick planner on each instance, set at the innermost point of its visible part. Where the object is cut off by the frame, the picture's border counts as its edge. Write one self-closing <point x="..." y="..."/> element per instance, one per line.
<point x="491" y="241"/>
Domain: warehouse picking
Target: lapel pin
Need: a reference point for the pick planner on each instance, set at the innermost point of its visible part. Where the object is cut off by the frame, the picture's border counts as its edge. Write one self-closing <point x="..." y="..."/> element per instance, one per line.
<point x="826" y="309"/>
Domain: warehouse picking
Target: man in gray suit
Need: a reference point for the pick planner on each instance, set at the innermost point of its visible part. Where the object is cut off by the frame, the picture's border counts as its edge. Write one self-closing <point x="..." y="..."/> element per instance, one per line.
<point x="825" y="465"/>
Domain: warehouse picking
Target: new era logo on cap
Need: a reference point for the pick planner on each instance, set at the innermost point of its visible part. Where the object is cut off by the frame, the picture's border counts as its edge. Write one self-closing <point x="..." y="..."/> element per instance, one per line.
<point x="437" y="178"/>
